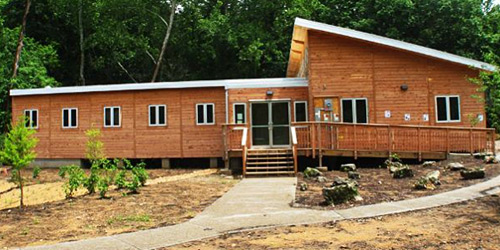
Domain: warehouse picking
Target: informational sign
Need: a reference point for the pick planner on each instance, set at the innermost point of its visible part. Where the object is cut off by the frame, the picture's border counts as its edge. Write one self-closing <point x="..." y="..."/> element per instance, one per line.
<point x="480" y="118"/>
<point x="387" y="114"/>
<point x="425" y="117"/>
<point x="407" y="117"/>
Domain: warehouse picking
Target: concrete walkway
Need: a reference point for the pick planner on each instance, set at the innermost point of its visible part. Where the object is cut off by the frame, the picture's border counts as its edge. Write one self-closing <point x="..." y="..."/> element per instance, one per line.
<point x="260" y="203"/>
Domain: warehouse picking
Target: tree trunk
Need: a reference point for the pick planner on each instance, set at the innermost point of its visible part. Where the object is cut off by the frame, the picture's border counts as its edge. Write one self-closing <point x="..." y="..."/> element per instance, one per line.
<point x="82" y="51"/>
<point x="17" y="56"/>
<point x="165" y="40"/>
<point x="21" y="186"/>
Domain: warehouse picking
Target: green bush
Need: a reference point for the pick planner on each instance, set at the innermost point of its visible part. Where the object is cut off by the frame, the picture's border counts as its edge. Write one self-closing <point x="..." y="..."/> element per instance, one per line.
<point x="36" y="172"/>
<point x="76" y="179"/>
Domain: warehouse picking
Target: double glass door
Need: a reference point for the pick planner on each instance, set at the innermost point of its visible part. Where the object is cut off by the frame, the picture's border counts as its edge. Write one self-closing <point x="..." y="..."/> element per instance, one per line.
<point x="270" y="124"/>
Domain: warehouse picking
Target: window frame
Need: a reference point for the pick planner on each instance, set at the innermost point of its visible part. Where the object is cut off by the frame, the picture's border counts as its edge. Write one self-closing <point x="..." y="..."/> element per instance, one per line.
<point x="234" y="112"/>
<point x="295" y="111"/>
<point x="112" y="116"/>
<point x="69" y="118"/>
<point x="448" y="110"/>
<point x="157" y="107"/>
<point x="205" y="105"/>
<point x="31" y="115"/>
<point x="355" y="114"/>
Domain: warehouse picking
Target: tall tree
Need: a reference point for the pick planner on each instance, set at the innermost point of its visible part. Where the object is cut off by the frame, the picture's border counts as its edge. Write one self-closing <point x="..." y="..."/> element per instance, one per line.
<point x="173" y="8"/>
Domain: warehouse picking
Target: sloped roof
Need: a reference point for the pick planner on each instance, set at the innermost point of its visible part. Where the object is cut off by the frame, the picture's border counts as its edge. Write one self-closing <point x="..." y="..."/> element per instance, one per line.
<point x="300" y="36"/>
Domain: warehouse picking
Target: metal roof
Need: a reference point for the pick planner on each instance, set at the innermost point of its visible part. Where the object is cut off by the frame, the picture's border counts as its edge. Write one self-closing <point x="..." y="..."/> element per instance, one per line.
<point x="227" y="84"/>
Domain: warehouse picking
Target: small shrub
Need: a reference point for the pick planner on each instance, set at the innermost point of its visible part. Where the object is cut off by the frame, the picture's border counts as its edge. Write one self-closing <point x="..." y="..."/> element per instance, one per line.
<point x="36" y="172"/>
<point x="76" y="179"/>
<point x="311" y="172"/>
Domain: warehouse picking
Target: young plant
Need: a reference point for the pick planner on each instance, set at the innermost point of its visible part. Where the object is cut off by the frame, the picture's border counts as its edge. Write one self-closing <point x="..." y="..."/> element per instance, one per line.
<point x="76" y="178"/>
<point x="36" y="172"/>
<point x="18" y="152"/>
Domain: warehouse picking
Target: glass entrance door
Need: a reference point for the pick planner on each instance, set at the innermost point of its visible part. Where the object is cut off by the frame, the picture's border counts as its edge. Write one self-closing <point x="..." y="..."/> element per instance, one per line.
<point x="271" y="124"/>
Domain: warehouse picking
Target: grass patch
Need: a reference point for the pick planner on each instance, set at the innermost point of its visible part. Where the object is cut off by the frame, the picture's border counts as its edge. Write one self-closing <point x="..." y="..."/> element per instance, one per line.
<point x="129" y="218"/>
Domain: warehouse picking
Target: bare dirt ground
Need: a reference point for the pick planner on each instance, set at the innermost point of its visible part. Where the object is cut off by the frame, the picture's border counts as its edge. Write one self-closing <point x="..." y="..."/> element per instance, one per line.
<point x="377" y="185"/>
<point x="470" y="225"/>
<point x="48" y="187"/>
<point x="88" y="216"/>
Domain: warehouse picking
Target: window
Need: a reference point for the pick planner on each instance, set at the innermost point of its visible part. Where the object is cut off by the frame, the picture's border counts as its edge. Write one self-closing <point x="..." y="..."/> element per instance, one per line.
<point x="31" y="118"/>
<point x="448" y="108"/>
<point x="239" y="110"/>
<point x="157" y="115"/>
<point x="112" y="117"/>
<point x="70" y="118"/>
<point x="301" y="111"/>
<point x="355" y="110"/>
<point x="205" y="114"/>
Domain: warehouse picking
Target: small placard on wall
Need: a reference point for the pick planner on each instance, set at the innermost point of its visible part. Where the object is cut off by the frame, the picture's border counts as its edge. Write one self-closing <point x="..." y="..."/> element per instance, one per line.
<point x="387" y="114"/>
<point x="425" y="117"/>
<point x="407" y="117"/>
<point x="480" y="118"/>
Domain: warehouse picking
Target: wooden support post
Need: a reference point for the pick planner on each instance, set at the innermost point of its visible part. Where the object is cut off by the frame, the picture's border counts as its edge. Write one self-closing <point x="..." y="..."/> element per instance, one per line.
<point x="470" y="142"/>
<point x="447" y="141"/>
<point x="493" y="145"/>
<point x="226" y="153"/>
<point x="312" y="127"/>
<point x="320" y="145"/>
<point x="419" y="146"/>
<point x="355" y="143"/>
<point x="389" y="140"/>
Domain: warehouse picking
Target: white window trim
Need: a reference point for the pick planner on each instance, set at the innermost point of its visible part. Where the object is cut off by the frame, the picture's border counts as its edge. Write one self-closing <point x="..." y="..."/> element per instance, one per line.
<point x="244" y="110"/>
<point x="355" y="115"/>
<point x="69" y="118"/>
<point x="112" y="118"/>
<point x="448" y="111"/>
<point x="205" y="113"/>
<point x="37" y="116"/>
<point x="157" y="107"/>
<point x="295" y="110"/>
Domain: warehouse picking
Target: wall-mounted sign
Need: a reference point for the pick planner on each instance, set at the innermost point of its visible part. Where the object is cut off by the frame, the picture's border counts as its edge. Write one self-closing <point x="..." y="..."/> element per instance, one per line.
<point x="480" y="117"/>
<point x="425" y="117"/>
<point x="387" y="114"/>
<point x="407" y="117"/>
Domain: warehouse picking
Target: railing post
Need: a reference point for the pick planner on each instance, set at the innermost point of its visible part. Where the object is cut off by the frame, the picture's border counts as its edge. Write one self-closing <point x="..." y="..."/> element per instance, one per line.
<point x="320" y="145"/>
<point x="355" y="143"/>
<point x="313" y="139"/>
<point x="419" y="146"/>
<point x="447" y="141"/>
<point x="226" y="153"/>
<point x="470" y="142"/>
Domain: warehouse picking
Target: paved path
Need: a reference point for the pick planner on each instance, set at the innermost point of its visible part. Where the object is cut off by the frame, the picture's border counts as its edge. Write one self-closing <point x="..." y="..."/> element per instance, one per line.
<point x="260" y="203"/>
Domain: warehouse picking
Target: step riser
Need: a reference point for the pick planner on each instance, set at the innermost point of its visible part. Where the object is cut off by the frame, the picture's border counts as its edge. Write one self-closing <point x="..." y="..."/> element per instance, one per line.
<point x="269" y="162"/>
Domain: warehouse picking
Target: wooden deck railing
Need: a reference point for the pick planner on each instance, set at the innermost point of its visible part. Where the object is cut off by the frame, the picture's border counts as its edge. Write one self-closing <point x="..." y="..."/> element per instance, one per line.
<point x="316" y="137"/>
<point x="293" y="133"/>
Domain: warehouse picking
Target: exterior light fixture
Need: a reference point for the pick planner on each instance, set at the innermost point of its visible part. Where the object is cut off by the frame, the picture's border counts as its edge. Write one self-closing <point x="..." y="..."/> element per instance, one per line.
<point x="269" y="93"/>
<point x="404" y="87"/>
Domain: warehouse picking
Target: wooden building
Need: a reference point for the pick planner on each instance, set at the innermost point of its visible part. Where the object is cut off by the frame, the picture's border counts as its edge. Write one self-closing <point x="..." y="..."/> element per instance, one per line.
<point x="347" y="93"/>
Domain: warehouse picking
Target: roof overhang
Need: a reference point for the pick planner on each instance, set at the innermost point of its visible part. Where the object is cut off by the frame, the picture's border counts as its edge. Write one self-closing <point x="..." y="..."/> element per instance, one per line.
<point x="300" y="35"/>
<point x="227" y="84"/>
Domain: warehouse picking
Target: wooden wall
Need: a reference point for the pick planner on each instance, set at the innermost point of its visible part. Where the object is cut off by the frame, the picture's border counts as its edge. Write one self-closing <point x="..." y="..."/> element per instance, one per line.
<point x="246" y="95"/>
<point x="135" y="138"/>
<point x="350" y="68"/>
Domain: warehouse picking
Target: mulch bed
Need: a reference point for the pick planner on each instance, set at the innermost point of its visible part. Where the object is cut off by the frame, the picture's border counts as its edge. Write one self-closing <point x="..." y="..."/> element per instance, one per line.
<point x="377" y="185"/>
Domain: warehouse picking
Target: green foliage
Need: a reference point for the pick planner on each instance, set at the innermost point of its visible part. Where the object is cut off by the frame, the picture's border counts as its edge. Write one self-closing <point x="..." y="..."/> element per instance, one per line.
<point x="18" y="152"/>
<point x="76" y="178"/>
<point x="36" y="172"/>
<point x="95" y="147"/>
<point x="131" y="177"/>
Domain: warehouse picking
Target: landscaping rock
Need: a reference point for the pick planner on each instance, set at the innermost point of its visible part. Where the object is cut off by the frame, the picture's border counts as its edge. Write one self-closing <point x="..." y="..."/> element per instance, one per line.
<point x="322" y="169"/>
<point x="342" y="190"/>
<point x="348" y="167"/>
<point x="303" y="186"/>
<point x="456" y="166"/>
<point x="311" y="172"/>
<point x="428" y="164"/>
<point x="476" y="173"/>
<point x="393" y="164"/>
<point x="401" y="172"/>
<point x="321" y="179"/>
<point x="353" y="175"/>
<point x="429" y="181"/>
<point x="491" y="159"/>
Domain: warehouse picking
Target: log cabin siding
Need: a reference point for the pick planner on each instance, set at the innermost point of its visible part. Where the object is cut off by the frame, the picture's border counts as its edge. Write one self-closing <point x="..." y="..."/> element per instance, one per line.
<point x="134" y="138"/>
<point x="349" y="68"/>
<point x="245" y="95"/>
